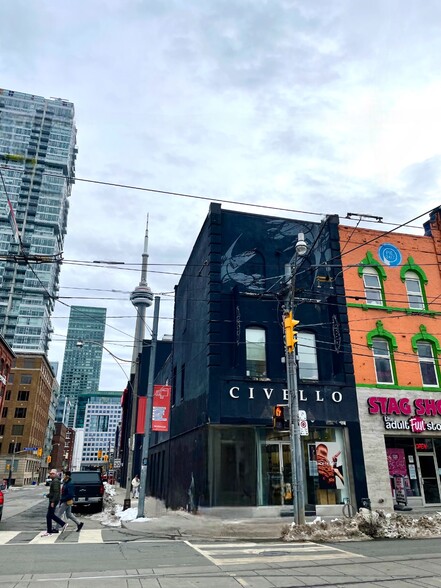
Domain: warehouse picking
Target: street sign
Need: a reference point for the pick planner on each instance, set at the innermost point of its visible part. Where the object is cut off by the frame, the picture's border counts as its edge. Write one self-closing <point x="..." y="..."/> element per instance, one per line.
<point x="117" y="463"/>
<point x="303" y="423"/>
<point x="30" y="449"/>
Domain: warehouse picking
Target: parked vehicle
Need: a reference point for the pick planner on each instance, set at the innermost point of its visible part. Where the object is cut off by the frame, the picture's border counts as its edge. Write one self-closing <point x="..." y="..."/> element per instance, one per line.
<point x="89" y="491"/>
<point x="2" y="499"/>
<point x="48" y="481"/>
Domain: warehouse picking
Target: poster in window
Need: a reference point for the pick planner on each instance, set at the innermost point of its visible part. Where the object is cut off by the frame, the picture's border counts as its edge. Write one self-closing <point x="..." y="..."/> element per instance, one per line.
<point x="330" y="465"/>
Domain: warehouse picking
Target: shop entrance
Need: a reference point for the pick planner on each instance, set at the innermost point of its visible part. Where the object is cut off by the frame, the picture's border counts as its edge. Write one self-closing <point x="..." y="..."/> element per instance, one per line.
<point x="429" y="477"/>
<point x="276" y="473"/>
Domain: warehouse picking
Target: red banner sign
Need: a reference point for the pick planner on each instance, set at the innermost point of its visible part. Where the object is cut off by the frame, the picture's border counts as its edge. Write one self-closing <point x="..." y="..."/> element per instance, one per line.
<point x="161" y="408"/>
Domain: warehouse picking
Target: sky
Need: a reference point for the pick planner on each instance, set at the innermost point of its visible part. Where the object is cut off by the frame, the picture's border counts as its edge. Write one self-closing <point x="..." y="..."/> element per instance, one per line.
<point x="316" y="106"/>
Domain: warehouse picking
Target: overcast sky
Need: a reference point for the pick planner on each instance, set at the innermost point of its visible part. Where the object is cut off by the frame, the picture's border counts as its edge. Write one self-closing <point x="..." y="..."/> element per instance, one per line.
<point x="326" y="106"/>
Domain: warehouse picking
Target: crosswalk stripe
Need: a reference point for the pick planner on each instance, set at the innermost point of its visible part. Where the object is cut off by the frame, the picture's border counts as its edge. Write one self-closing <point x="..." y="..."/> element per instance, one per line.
<point x="39" y="539"/>
<point x="90" y="536"/>
<point x="6" y="536"/>
<point x="222" y="554"/>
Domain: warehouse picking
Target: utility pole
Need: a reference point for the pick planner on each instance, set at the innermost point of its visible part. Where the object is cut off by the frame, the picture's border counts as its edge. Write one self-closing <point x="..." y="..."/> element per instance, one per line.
<point x="148" y="411"/>
<point x="289" y="324"/>
<point x="141" y="298"/>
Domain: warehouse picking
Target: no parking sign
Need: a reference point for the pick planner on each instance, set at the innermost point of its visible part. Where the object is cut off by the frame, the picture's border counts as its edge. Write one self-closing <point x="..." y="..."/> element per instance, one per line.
<point x="303" y="423"/>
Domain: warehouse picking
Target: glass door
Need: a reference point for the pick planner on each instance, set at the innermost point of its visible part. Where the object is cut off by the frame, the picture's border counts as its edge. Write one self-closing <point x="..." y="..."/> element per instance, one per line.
<point x="276" y="474"/>
<point x="429" y="477"/>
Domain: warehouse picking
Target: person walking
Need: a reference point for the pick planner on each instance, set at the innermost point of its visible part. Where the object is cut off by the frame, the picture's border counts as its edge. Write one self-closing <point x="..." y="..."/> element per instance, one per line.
<point x="135" y="486"/>
<point x="66" y="501"/>
<point x="54" y="498"/>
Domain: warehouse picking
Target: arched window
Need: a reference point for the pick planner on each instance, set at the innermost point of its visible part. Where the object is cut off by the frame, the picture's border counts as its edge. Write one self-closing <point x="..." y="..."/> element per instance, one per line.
<point x="382" y="360"/>
<point x="428" y="349"/>
<point x="383" y="345"/>
<point x="415" y="280"/>
<point x="307" y="354"/>
<point x="372" y="286"/>
<point x="427" y="363"/>
<point x="414" y="290"/>
<point x="255" y="342"/>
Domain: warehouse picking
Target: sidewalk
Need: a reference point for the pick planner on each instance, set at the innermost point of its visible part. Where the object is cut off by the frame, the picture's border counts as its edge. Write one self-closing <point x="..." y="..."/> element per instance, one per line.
<point x="217" y="524"/>
<point x="169" y="524"/>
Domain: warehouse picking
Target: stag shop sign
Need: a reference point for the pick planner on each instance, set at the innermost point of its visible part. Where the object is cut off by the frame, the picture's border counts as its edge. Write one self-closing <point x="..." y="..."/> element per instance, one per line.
<point x="402" y="414"/>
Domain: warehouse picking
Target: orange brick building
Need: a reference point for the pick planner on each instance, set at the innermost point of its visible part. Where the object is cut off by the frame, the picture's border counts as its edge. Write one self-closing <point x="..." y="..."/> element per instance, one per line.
<point x="393" y="292"/>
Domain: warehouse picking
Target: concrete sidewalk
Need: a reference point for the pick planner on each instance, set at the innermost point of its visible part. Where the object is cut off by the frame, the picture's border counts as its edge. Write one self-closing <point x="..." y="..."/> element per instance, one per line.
<point x="171" y="524"/>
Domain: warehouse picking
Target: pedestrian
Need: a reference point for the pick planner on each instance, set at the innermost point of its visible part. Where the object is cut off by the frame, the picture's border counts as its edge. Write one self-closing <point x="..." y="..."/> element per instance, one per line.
<point x="54" y="499"/>
<point x="135" y="486"/>
<point x="66" y="501"/>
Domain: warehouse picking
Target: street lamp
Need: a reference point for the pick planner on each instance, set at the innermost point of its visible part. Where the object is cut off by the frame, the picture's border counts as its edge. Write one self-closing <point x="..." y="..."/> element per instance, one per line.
<point x="293" y="396"/>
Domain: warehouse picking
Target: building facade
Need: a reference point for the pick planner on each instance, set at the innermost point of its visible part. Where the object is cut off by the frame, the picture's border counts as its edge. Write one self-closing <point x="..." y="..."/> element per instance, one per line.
<point x="102" y="418"/>
<point x="37" y="163"/>
<point x="6" y="360"/>
<point x="393" y="287"/>
<point x="82" y="356"/>
<point x="227" y="371"/>
<point x="24" y="420"/>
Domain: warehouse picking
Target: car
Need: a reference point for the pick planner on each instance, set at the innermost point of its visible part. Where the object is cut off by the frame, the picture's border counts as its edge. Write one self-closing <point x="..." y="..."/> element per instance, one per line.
<point x="89" y="491"/>
<point x="48" y="481"/>
<point x="2" y="499"/>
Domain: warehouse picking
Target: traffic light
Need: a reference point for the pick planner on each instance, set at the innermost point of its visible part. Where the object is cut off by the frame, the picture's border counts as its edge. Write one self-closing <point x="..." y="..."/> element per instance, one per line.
<point x="100" y="453"/>
<point x="279" y="422"/>
<point x="289" y="324"/>
<point x="49" y="459"/>
<point x="39" y="452"/>
<point x="106" y="457"/>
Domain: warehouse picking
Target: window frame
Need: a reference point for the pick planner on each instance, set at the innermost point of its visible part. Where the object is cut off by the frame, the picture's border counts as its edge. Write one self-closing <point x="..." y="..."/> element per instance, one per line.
<point x="413" y="276"/>
<point x="251" y="363"/>
<point x="383" y="357"/>
<point x="380" y="333"/>
<point x="371" y="271"/>
<point x="307" y="334"/>
<point x="424" y="337"/>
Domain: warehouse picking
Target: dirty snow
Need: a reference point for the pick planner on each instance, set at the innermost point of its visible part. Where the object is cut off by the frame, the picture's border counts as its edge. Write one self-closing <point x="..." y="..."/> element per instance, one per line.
<point x="113" y="513"/>
<point x="367" y="525"/>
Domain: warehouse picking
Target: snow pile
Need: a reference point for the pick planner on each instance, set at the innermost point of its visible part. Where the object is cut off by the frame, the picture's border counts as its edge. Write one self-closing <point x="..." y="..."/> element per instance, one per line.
<point x="367" y="525"/>
<point x="130" y="514"/>
<point x="109" y="516"/>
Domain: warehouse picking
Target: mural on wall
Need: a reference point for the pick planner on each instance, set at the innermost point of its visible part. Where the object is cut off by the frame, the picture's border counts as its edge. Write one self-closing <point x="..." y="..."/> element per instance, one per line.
<point x="246" y="266"/>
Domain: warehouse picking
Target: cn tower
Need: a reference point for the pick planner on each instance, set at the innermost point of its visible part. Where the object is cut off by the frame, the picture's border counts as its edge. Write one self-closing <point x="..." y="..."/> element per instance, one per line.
<point x="141" y="298"/>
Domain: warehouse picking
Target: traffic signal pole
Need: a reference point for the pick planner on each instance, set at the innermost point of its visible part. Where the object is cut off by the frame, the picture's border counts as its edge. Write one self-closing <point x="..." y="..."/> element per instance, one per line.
<point x="293" y="396"/>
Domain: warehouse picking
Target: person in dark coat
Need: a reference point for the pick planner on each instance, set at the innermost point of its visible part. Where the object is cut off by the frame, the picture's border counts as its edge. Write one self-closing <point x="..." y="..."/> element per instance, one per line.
<point x="54" y="498"/>
<point x="66" y="501"/>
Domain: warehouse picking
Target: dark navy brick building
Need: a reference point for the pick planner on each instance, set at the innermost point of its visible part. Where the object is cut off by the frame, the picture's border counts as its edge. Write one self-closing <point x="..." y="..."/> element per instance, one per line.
<point x="227" y="373"/>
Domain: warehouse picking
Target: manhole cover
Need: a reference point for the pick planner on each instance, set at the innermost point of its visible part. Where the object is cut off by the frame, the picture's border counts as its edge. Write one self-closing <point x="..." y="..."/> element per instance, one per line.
<point x="273" y="553"/>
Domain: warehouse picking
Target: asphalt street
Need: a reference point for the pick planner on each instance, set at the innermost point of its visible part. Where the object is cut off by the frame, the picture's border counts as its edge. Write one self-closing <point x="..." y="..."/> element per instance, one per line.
<point x="107" y="557"/>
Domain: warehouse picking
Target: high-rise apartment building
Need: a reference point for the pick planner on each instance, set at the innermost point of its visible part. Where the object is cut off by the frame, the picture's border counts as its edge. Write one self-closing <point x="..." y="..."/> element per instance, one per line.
<point x="83" y="354"/>
<point x="37" y="159"/>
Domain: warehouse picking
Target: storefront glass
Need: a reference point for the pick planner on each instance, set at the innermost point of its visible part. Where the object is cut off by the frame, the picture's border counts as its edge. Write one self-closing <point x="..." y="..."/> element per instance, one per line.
<point x="325" y="469"/>
<point x="233" y="475"/>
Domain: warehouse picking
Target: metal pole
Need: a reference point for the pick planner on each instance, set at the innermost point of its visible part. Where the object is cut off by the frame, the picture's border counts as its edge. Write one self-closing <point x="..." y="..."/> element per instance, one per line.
<point x="293" y="395"/>
<point x="149" y="411"/>
<point x="129" y="473"/>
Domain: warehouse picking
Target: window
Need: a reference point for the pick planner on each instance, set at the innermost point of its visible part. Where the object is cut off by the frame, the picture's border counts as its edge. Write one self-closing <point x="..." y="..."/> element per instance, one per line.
<point x="4" y="412"/>
<point x="28" y="362"/>
<point x="255" y="341"/>
<point x="8" y="395"/>
<point x="372" y="286"/>
<point x="26" y="379"/>
<point x="14" y="447"/>
<point x="23" y="395"/>
<point x="382" y="360"/>
<point x="427" y="364"/>
<point x="20" y="413"/>
<point x="414" y="291"/>
<point x="306" y="349"/>
<point x="17" y="429"/>
<point x="11" y="379"/>
<point x="2" y="429"/>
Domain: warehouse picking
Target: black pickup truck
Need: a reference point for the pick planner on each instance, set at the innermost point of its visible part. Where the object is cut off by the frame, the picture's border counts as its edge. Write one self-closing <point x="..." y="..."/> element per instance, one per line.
<point x="89" y="491"/>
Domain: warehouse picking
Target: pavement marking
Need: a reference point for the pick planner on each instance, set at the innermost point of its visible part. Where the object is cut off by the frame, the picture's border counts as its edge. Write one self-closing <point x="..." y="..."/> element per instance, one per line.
<point x="6" y="536"/>
<point x="44" y="540"/>
<point x="90" y="536"/>
<point x="222" y="554"/>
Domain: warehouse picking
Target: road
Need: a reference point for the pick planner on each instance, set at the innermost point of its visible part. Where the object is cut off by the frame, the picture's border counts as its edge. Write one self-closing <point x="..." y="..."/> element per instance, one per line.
<point x="108" y="557"/>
